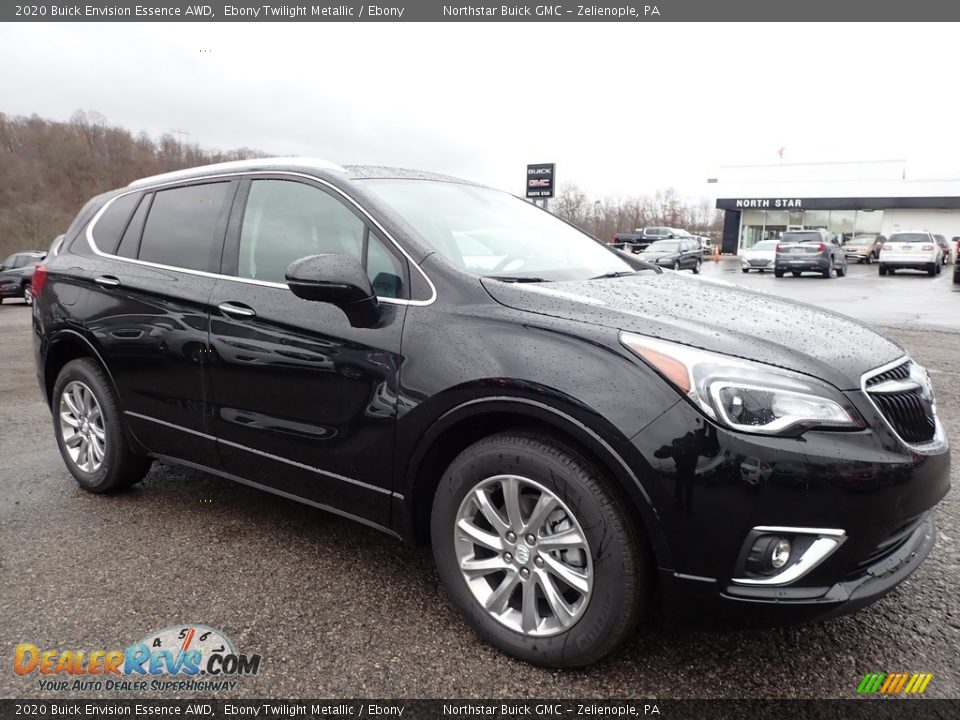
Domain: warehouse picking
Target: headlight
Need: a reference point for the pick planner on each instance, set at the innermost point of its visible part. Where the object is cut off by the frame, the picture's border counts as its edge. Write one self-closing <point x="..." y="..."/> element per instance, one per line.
<point x="747" y="396"/>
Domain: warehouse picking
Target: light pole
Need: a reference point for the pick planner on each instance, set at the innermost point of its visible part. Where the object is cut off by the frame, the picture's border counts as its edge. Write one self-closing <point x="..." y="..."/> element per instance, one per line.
<point x="596" y="218"/>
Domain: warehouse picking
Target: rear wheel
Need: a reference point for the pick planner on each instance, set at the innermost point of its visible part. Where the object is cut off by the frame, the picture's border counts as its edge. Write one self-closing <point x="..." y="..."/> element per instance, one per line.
<point x="89" y="432"/>
<point x="696" y="267"/>
<point x="28" y="295"/>
<point x="933" y="269"/>
<point x="537" y="553"/>
<point x="828" y="271"/>
<point x="841" y="270"/>
<point x="777" y="272"/>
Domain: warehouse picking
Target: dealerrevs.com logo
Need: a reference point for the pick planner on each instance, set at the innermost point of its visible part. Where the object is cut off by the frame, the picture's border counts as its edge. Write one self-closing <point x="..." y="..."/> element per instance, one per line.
<point x="899" y="683"/>
<point x="178" y="658"/>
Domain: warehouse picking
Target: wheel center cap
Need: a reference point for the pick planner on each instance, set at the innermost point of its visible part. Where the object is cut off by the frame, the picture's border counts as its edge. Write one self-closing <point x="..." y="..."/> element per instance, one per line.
<point x="523" y="555"/>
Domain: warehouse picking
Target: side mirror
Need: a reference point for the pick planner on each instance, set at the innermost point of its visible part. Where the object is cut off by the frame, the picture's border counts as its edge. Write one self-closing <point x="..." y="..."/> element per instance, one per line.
<point x="339" y="280"/>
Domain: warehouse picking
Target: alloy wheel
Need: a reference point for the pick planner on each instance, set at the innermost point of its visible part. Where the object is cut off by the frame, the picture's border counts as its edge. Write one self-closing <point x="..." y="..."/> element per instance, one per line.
<point x="523" y="555"/>
<point x="28" y="295"/>
<point x="82" y="427"/>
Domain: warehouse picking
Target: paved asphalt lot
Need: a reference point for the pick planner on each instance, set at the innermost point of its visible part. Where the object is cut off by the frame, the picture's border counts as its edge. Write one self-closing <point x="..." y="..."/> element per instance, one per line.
<point x="337" y="609"/>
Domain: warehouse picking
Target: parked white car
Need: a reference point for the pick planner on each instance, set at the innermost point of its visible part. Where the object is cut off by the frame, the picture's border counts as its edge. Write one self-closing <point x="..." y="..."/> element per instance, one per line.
<point x="911" y="250"/>
<point x="760" y="257"/>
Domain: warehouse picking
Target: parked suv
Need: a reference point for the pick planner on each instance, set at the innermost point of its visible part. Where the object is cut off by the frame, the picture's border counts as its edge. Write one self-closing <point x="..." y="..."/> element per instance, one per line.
<point x="16" y="275"/>
<point x="945" y="247"/>
<point x="577" y="434"/>
<point x="911" y="250"/>
<point x="864" y="248"/>
<point x="801" y="251"/>
<point x="679" y="254"/>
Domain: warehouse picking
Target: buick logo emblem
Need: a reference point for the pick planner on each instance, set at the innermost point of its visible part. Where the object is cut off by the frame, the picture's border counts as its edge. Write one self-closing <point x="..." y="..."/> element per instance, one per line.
<point x="523" y="555"/>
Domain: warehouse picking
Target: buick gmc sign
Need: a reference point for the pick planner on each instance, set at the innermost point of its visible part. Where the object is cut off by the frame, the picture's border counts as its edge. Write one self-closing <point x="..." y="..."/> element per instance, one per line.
<point x="540" y="180"/>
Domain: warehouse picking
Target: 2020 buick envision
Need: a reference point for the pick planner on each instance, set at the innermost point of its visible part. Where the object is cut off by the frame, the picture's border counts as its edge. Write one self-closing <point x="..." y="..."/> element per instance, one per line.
<point x="576" y="432"/>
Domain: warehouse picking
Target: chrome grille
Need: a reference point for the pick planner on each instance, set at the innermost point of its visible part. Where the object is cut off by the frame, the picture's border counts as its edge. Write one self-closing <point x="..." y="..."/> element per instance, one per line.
<point x="904" y="397"/>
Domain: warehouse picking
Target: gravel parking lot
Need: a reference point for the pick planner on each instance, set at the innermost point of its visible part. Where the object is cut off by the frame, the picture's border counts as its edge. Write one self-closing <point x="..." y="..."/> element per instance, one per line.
<point x="337" y="609"/>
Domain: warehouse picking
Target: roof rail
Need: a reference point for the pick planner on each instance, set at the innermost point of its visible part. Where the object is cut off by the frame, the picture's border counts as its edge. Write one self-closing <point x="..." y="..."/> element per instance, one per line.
<point x="265" y="163"/>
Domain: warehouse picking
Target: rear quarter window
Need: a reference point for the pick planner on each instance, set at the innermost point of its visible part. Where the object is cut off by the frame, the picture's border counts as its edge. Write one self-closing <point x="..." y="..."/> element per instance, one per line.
<point x="110" y="226"/>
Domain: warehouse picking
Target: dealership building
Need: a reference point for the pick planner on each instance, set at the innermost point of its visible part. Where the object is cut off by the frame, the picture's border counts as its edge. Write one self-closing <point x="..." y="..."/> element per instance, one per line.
<point x="761" y="202"/>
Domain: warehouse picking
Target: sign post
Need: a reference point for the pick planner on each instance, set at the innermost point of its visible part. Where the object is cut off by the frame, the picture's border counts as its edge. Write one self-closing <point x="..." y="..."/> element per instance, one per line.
<point x="540" y="182"/>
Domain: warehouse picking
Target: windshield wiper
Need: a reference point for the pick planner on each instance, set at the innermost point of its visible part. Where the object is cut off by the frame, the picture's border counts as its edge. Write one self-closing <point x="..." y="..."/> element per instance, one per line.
<point x="616" y="274"/>
<point x="516" y="278"/>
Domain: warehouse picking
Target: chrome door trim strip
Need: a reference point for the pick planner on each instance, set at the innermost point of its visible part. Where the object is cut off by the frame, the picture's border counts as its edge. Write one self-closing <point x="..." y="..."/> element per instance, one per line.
<point x="335" y="476"/>
<point x="249" y="281"/>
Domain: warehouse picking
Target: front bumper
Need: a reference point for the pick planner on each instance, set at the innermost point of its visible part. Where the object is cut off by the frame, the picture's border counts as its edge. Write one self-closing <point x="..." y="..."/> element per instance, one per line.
<point x="685" y="596"/>
<point x="710" y="487"/>
<point x="756" y="264"/>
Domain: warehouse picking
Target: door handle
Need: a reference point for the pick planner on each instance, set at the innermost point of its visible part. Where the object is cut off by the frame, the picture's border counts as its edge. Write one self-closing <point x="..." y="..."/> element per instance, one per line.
<point x="236" y="310"/>
<point x="107" y="281"/>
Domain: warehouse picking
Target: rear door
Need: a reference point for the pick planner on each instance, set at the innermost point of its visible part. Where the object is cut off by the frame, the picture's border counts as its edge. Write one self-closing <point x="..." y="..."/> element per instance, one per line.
<point x="304" y="403"/>
<point x="148" y="309"/>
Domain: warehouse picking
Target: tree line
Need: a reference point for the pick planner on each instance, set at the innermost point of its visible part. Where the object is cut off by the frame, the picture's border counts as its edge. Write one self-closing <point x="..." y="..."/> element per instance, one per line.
<point x="606" y="217"/>
<point x="49" y="169"/>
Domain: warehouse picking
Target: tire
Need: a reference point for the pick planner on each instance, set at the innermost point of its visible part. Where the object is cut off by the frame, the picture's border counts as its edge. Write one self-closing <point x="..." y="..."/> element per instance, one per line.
<point x="868" y="260"/>
<point x="777" y="273"/>
<point x="795" y="273"/>
<point x="744" y="270"/>
<point x="841" y="271"/>
<point x="932" y="270"/>
<point x="829" y="269"/>
<point x="696" y="268"/>
<point x="28" y="294"/>
<point x="676" y="265"/>
<point x="619" y="564"/>
<point x="119" y="466"/>
<point x="882" y="270"/>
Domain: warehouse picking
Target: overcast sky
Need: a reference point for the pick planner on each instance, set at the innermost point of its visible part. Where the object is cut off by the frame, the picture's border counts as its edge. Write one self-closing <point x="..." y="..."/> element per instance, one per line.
<point x="621" y="108"/>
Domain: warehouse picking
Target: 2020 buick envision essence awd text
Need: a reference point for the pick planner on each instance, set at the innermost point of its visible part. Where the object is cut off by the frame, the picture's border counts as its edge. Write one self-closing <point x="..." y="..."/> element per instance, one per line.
<point x="453" y="365"/>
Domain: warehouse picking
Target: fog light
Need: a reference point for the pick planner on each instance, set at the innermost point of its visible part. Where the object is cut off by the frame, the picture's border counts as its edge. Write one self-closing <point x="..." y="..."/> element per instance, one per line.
<point x="780" y="555"/>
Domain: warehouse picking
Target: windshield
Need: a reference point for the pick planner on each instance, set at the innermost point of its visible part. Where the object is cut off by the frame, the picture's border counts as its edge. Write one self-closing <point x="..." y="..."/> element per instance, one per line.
<point x="910" y="237"/>
<point x="664" y="246"/>
<point x="801" y="237"/>
<point x="491" y="233"/>
<point x="765" y="245"/>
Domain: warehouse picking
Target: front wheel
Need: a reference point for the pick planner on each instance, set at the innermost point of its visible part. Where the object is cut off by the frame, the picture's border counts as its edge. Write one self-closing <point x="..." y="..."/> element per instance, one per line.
<point x="89" y="433"/>
<point x="676" y="265"/>
<point x="537" y="553"/>
<point x="777" y="273"/>
<point x="868" y="259"/>
<point x="744" y="270"/>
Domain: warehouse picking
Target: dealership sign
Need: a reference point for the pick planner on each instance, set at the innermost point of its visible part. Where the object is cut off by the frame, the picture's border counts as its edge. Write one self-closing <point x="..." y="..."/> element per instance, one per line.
<point x="768" y="203"/>
<point x="540" y="180"/>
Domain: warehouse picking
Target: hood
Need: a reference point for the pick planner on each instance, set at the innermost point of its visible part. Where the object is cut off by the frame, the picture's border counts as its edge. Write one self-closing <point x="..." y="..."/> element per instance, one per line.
<point x="713" y="316"/>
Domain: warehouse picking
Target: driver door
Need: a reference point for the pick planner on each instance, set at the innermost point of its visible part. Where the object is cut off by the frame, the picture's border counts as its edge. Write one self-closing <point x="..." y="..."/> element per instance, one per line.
<point x="304" y="403"/>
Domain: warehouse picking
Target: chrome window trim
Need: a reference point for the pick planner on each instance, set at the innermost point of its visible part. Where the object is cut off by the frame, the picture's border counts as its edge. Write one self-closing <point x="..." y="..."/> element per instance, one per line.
<point x="250" y="281"/>
<point x="939" y="438"/>
<point x="828" y="540"/>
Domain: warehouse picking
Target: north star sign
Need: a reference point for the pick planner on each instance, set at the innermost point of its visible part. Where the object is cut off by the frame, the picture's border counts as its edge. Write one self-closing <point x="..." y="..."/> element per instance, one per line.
<point x="766" y="203"/>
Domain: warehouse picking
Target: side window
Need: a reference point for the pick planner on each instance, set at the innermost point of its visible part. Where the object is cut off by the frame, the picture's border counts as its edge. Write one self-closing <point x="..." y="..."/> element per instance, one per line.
<point x="110" y="226"/>
<point x="130" y="242"/>
<point x="181" y="227"/>
<point x="286" y="220"/>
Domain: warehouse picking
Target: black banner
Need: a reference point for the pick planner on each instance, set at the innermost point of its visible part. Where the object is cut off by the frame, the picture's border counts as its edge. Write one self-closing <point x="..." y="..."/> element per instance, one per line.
<point x="526" y="709"/>
<point x="477" y="11"/>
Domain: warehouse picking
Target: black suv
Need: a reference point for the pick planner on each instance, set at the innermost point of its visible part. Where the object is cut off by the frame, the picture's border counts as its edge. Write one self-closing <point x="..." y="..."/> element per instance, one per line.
<point x="16" y="275"/>
<point x="575" y="431"/>
<point x="801" y="251"/>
